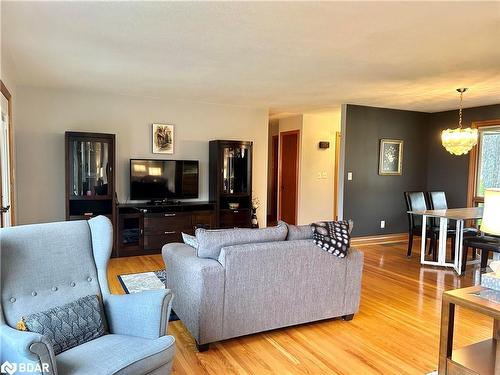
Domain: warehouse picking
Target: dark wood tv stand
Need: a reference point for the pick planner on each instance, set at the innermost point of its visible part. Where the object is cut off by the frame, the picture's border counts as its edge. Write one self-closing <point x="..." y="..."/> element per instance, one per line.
<point x="143" y="228"/>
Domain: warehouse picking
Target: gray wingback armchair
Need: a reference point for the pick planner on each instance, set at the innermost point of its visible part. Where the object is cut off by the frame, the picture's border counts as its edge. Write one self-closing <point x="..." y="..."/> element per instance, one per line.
<point x="47" y="265"/>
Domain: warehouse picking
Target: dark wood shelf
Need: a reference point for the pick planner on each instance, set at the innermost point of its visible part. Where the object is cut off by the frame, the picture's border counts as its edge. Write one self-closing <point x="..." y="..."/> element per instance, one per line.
<point x="90" y="198"/>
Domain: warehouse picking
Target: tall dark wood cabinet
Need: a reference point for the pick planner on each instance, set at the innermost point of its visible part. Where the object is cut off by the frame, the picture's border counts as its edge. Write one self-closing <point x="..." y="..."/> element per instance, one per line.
<point x="90" y="175"/>
<point x="230" y="182"/>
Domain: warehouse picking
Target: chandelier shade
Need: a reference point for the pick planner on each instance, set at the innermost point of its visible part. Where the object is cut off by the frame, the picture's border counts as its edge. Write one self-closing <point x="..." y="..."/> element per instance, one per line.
<point x="459" y="141"/>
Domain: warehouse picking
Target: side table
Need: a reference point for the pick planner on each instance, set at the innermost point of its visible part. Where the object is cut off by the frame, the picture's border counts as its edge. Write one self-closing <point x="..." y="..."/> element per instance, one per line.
<point x="480" y="358"/>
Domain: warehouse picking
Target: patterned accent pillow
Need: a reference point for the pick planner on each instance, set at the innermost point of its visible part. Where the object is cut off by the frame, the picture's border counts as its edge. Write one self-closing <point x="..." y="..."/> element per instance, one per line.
<point x="69" y="325"/>
<point x="190" y="240"/>
<point x="332" y="236"/>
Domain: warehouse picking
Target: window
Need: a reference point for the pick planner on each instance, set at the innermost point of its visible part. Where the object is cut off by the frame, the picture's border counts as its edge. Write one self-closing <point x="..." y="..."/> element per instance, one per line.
<point x="484" y="165"/>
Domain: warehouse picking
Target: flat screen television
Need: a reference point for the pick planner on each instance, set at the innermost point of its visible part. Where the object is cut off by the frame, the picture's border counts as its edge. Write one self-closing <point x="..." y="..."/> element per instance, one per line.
<point x="163" y="179"/>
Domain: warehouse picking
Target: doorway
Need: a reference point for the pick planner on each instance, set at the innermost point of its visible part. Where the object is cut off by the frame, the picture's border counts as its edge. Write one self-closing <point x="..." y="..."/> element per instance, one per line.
<point x="288" y="176"/>
<point x="6" y="172"/>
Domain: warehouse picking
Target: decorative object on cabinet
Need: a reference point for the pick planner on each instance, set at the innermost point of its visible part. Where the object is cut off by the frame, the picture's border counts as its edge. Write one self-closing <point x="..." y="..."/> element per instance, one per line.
<point x="255" y="207"/>
<point x="90" y="175"/>
<point x="163" y="139"/>
<point x="230" y="174"/>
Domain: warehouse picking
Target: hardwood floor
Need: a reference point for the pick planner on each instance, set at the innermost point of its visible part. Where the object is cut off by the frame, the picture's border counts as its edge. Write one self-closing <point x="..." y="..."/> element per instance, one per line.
<point x="395" y="332"/>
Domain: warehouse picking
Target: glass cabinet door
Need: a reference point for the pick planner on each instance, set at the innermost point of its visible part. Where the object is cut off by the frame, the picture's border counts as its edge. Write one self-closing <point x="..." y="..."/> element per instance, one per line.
<point x="91" y="168"/>
<point x="236" y="170"/>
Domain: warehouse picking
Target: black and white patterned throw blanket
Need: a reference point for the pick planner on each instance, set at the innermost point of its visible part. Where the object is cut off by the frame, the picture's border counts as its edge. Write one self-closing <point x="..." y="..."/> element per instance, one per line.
<point x="332" y="236"/>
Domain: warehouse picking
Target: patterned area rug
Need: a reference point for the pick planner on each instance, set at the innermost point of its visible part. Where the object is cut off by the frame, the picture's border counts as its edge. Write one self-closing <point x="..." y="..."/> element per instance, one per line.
<point x="137" y="282"/>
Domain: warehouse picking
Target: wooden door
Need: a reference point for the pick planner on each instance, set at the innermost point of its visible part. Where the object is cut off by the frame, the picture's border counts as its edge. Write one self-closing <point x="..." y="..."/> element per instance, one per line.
<point x="338" y="139"/>
<point x="289" y="167"/>
<point x="273" y="179"/>
<point x="6" y="155"/>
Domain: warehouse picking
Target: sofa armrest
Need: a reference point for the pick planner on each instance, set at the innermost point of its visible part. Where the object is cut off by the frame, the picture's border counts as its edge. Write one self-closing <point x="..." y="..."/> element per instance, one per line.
<point x="354" y="272"/>
<point x="198" y="284"/>
<point x="27" y="348"/>
<point x="142" y="314"/>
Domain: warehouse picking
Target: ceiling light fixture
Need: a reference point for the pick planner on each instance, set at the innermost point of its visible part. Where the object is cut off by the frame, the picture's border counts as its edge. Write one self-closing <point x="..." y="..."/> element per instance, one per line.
<point x="459" y="141"/>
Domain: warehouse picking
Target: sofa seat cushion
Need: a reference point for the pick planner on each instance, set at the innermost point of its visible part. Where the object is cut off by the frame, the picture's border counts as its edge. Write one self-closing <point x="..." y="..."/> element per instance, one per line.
<point x="210" y="242"/>
<point x="116" y="354"/>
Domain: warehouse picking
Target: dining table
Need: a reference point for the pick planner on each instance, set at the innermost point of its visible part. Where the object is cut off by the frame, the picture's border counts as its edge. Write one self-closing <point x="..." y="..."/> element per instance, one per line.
<point x="459" y="215"/>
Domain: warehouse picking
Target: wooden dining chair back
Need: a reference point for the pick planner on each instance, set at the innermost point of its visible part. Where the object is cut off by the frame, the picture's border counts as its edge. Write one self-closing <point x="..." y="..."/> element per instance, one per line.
<point x="415" y="201"/>
<point x="437" y="201"/>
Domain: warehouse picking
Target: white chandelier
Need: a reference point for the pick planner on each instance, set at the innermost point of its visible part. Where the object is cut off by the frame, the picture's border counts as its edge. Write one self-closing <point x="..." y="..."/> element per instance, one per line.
<point x="459" y="141"/>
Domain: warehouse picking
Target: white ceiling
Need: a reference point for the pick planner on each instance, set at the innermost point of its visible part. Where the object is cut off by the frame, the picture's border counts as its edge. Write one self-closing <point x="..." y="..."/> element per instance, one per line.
<point x="286" y="56"/>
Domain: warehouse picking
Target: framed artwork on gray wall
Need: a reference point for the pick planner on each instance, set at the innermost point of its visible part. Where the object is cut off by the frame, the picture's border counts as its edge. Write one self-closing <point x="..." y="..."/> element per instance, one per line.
<point x="391" y="157"/>
<point x="163" y="139"/>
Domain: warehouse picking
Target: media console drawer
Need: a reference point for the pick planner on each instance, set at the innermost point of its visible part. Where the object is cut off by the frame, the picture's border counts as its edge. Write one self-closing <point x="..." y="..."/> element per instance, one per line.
<point x="156" y="241"/>
<point x="159" y="223"/>
<point x="145" y="229"/>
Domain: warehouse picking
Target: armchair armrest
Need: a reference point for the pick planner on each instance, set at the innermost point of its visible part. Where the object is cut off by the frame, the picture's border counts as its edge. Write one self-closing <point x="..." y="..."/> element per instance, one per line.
<point x="142" y="314"/>
<point x="27" y="348"/>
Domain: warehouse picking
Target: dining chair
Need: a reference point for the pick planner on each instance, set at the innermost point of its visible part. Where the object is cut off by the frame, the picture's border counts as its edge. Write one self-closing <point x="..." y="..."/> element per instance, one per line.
<point x="485" y="244"/>
<point x="415" y="201"/>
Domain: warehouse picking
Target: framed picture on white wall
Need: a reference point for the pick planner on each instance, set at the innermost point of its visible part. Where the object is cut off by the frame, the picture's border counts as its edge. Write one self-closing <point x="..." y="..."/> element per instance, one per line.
<point x="163" y="139"/>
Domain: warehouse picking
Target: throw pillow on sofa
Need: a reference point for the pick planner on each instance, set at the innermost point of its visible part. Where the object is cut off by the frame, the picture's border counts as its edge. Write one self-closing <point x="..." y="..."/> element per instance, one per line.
<point x="210" y="242"/>
<point x="68" y="325"/>
<point x="332" y="236"/>
<point x="190" y="240"/>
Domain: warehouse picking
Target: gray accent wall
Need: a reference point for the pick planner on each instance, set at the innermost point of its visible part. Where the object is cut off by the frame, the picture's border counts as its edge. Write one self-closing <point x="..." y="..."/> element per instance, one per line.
<point x="370" y="198"/>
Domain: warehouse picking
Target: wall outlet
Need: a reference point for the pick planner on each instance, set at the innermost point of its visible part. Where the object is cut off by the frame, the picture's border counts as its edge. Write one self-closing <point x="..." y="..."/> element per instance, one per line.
<point x="382" y="224"/>
<point x="349" y="176"/>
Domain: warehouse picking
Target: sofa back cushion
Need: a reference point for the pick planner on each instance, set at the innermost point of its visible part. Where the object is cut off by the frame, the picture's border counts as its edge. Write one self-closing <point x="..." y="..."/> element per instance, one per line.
<point x="210" y="242"/>
<point x="299" y="232"/>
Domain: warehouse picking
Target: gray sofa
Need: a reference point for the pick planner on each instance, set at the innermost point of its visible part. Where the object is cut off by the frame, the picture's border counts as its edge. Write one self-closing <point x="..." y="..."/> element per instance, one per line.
<point x="253" y="287"/>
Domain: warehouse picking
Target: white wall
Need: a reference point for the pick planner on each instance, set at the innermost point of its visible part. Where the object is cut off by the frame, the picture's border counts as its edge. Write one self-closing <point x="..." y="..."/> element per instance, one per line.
<point x="317" y="173"/>
<point x="316" y="194"/>
<point x="43" y="115"/>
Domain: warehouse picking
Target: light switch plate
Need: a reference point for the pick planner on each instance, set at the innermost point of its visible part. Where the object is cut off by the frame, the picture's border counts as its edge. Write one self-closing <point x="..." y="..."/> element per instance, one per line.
<point x="349" y="176"/>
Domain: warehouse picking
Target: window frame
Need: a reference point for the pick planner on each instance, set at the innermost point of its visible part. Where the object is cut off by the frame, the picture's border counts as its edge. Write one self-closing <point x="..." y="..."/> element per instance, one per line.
<point x="472" y="198"/>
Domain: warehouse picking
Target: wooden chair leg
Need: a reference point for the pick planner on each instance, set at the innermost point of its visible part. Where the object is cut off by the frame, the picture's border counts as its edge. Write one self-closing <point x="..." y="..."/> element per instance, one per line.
<point x="464" y="259"/>
<point x="484" y="258"/>
<point x="434" y="245"/>
<point x="453" y="248"/>
<point x="474" y="253"/>
<point x="410" y="244"/>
